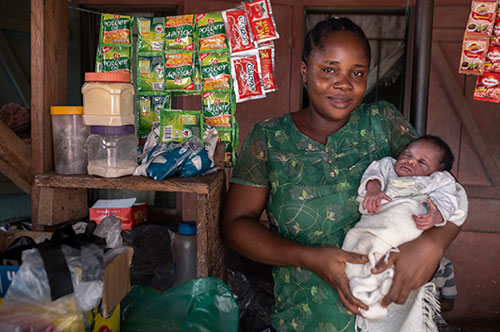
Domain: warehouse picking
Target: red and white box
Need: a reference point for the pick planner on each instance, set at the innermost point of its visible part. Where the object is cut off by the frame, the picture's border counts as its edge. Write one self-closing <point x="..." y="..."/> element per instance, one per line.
<point x="130" y="212"/>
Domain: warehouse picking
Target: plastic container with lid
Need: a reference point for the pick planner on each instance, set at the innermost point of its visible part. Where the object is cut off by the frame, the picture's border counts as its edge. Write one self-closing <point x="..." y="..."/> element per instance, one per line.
<point x="184" y="248"/>
<point x="108" y="99"/>
<point x="112" y="151"/>
<point x="69" y="135"/>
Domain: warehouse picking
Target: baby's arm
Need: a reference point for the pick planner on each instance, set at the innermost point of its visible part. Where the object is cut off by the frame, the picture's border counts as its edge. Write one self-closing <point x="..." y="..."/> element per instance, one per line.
<point x="370" y="191"/>
<point x="374" y="196"/>
<point x="445" y="203"/>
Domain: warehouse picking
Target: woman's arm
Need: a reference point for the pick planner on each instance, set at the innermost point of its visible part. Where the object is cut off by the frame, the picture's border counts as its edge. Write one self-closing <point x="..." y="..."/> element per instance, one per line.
<point x="243" y="232"/>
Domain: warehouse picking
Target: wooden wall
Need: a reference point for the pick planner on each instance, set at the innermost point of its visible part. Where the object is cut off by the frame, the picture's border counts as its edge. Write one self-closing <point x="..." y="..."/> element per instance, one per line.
<point x="469" y="126"/>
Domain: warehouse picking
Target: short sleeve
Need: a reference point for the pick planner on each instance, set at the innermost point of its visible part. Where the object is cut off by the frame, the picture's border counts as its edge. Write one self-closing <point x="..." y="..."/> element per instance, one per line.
<point x="402" y="132"/>
<point x="251" y="167"/>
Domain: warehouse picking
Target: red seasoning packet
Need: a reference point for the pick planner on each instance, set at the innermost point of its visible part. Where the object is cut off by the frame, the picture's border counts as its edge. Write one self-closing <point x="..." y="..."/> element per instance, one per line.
<point x="492" y="63"/>
<point x="237" y="30"/>
<point x="246" y="73"/>
<point x="266" y="55"/>
<point x="260" y="18"/>
<point x="488" y="88"/>
<point x="473" y="56"/>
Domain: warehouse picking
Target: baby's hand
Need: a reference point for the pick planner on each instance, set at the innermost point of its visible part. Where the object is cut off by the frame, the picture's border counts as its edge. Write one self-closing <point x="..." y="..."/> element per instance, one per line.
<point x="374" y="196"/>
<point x="429" y="219"/>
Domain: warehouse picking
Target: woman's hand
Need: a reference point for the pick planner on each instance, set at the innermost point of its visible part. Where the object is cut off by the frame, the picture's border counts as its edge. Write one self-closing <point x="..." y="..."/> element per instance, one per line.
<point x="329" y="264"/>
<point x="416" y="262"/>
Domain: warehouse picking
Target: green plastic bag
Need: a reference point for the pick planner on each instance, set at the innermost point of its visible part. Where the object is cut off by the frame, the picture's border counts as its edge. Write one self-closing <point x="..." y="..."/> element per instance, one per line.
<point x="199" y="305"/>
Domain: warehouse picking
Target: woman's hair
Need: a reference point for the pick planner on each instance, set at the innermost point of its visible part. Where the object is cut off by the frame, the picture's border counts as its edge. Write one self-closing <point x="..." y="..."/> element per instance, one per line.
<point x="315" y="37"/>
<point x="447" y="157"/>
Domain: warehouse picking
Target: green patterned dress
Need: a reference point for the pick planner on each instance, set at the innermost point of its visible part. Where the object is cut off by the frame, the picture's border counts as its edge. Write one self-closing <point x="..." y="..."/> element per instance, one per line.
<point x="312" y="199"/>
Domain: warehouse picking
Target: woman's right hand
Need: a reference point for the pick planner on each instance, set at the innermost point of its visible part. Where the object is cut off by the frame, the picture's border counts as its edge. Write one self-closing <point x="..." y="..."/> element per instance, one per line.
<point x="329" y="264"/>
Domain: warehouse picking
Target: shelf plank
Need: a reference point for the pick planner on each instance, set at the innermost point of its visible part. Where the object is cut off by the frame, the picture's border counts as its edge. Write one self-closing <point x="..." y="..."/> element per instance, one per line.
<point x="197" y="185"/>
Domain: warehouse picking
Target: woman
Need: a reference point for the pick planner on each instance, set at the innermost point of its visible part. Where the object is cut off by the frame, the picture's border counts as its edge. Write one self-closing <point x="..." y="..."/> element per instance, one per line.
<point x="304" y="168"/>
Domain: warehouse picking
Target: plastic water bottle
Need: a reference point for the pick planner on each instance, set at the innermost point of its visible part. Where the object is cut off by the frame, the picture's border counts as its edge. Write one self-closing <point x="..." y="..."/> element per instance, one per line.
<point x="185" y="252"/>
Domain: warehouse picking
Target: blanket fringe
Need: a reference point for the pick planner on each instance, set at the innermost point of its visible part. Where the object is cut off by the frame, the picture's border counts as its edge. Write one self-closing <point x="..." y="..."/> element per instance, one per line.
<point x="430" y="307"/>
<point x="361" y="324"/>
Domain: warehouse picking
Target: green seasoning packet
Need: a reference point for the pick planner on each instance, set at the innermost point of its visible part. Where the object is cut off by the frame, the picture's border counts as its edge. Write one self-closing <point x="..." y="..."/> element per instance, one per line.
<point x="218" y="108"/>
<point x="215" y="71"/>
<point x="227" y="136"/>
<point x="211" y="31"/>
<point x="148" y="108"/>
<point x="179" y="125"/>
<point x="151" y="34"/>
<point x="179" y="32"/>
<point x="179" y="71"/>
<point x="115" y="29"/>
<point x="150" y="73"/>
<point x="114" y="59"/>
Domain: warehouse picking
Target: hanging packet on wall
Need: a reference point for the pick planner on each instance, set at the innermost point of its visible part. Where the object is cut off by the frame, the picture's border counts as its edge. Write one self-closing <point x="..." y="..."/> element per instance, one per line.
<point x="179" y="32"/>
<point x="148" y="107"/>
<point x="266" y="56"/>
<point x="229" y="137"/>
<point x="218" y="108"/>
<point x="180" y="125"/>
<point x="215" y="71"/>
<point x="113" y="59"/>
<point x="488" y="88"/>
<point x="210" y="31"/>
<point x="150" y="73"/>
<point x="237" y="30"/>
<point x="261" y="20"/>
<point x="247" y="76"/>
<point x="151" y="35"/>
<point x="179" y="70"/>
<point x="481" y="19"/>
<point x="116" y="29"/>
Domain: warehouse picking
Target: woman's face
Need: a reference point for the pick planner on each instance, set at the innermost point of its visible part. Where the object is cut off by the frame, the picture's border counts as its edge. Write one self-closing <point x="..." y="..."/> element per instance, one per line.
<point x="336" y="75"/>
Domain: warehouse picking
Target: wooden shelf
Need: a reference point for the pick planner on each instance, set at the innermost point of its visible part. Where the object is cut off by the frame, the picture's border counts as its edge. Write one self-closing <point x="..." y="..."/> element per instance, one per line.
<point x="59" y="198"/>
<point x="195" y="185"/>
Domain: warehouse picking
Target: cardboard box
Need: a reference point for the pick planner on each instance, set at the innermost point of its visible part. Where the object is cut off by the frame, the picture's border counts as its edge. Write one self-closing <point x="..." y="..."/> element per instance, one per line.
<point x="130" y="212"/>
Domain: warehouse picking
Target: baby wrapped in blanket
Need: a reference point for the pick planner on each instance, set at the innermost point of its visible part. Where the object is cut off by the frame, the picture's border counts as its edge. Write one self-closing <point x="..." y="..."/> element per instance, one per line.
<point x="394" y="197"/>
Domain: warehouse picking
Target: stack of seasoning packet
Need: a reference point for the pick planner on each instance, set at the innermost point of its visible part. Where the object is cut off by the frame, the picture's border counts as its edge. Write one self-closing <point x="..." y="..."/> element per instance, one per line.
<point x="115" y="44"/>
<point x="478" y="57"/>
<point x="488" y="85"/>
<point x="151" y="94"/>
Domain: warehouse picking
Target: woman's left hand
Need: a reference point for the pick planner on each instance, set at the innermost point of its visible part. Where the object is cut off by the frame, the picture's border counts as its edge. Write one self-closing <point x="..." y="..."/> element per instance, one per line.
<point x="416" y="262"/>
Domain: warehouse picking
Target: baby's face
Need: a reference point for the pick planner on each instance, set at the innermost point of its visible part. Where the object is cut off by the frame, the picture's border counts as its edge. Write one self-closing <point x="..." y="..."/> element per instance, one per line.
<point x="421" y="158"/>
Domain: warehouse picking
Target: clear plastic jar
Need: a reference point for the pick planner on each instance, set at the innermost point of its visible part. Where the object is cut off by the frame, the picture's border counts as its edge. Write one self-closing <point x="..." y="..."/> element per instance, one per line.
<point x="69" y="135"/>
<point x="108" y="99"/>
<point x="112" y="151"/>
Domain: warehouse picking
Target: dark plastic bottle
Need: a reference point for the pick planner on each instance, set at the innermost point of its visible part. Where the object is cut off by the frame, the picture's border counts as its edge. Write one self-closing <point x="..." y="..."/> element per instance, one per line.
<point x="184" y="244"/>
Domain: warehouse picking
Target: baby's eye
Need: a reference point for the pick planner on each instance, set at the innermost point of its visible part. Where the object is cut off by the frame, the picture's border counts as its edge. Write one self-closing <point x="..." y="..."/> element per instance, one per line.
<point x="423" y="162"/>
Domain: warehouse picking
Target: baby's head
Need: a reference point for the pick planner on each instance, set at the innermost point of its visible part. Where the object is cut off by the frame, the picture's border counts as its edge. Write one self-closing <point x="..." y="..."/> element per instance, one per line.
<point x="424" y="156"/>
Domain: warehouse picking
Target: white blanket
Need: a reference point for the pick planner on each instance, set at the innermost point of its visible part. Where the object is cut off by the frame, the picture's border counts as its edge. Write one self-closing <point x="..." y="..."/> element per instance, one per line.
<point x="374" y="235"/>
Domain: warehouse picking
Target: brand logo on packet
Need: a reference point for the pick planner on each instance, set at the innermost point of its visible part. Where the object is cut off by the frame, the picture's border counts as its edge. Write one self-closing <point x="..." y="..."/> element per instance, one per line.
<point x="258" y="10"/>
<point x="242" y="22"/>
<point x="473" y="51"/>
<point x="250" y="71"/>
<point x="489" y="81"/>
<point x="186" y="132"/>
<point x="494" y="55"/>
<point x="106" y="49"/>
<point x="159" y="28"/>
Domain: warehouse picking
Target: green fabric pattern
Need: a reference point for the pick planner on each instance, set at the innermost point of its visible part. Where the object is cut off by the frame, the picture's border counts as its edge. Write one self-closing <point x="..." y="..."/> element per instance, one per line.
<point x="312" y="199"/>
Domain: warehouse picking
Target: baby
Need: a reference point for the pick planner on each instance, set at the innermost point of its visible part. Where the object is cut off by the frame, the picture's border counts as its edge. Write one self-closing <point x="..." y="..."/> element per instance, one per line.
<point x="394" y="198"/>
